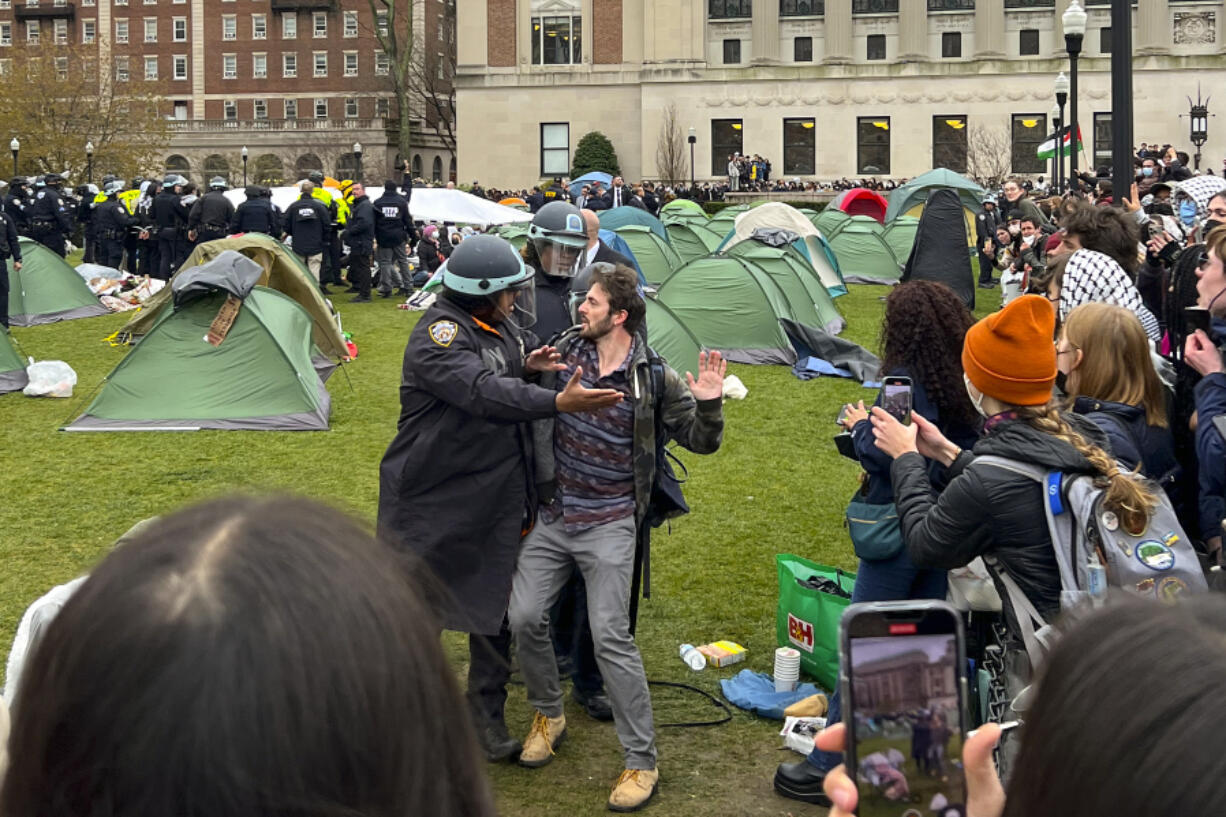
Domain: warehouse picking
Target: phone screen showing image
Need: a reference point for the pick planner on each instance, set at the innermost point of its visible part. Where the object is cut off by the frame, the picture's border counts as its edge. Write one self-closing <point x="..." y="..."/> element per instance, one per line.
<point x="896" y="399"/>
<point x="906" y="725"/>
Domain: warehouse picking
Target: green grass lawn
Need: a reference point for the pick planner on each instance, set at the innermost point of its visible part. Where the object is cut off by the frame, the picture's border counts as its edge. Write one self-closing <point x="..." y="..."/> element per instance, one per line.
<point x="776" y="486"/>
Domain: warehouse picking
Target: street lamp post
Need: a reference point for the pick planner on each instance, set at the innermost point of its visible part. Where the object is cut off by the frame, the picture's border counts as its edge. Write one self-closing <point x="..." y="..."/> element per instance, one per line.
<point x="89" y="162"/>
<point x="1062" y="86"/>
<point x="357" y="160"/>
<point x="692" y="140"/>
<point x="1198" y="116"/>
<point x="1055" y="159"/>
<point x="1121" y="96"/>
<point x="14" y="146"/>
<point x="244" y="155"/>
<point x="1074" y="20"/>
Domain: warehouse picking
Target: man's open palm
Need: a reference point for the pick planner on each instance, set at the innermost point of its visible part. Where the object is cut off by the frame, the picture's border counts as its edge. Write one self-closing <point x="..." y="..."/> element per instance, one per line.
<point x="710" y="382"/>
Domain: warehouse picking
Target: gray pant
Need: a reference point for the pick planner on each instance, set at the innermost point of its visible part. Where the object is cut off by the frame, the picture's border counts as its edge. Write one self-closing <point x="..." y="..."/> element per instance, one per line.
<point x="605" y="555"/>
<point x="393" y="267"/>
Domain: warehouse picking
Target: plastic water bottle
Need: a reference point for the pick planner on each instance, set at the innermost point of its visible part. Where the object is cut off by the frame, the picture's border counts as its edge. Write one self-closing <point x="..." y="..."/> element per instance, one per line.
<point x="692" y="657"/>
<point x="1097" y="580"/>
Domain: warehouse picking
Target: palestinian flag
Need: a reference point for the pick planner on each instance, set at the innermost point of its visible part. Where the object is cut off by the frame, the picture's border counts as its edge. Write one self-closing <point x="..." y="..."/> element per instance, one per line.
<point x="1047" y="150"/>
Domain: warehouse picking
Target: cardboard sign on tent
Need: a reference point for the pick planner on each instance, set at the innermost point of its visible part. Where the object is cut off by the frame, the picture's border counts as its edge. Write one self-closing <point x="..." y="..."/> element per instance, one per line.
<point x="654" y="257"/>
<point x="863" y="254"/>
<point x="692" y="239"/>
<point x="12" y="366"/>
<point x="192" y="371"/>
<point x="282" y="271"/>
<point x="670" y="338"/>
<point x="940" y="253"/>
<point x="47" y="290"/>
<point x="732" y="305"/>
<point x="810" y="301"/>
<point x="619" y="217"/>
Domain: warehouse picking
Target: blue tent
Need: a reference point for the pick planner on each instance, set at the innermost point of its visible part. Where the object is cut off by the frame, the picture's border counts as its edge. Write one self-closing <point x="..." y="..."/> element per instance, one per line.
<point x="594" y="176"/>
<point x="617" y="243"/>
<point x="619" y="217"/>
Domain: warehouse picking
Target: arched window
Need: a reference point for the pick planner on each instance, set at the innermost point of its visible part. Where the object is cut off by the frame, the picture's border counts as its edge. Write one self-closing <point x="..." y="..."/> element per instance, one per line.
<point x="436" y="171"/>
<point x="216" y="165"/>
<point x="346" y="166"/>
<point x="307" y="163"/>
<point x="268" y="169"/>
<point x="178" y="164"/>
<point x="451" y="171"/>
<point x="416" y="166"/>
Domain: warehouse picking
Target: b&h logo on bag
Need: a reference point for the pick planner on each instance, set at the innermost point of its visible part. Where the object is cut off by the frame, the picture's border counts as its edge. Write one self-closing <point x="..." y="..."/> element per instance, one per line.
<point x="800" y="633"/>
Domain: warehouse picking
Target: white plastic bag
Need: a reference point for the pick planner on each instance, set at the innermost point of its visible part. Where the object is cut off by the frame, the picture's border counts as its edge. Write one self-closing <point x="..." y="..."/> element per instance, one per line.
<point x="972" y="588"/>
<point x="50" y="378"/>
<point x="734" y="389"/>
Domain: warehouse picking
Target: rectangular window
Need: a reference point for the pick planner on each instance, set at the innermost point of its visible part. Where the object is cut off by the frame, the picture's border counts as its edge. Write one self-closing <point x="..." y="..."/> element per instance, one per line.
<point x="291" y="109"/>
<point x="732" y="52"/>
<point x="351" y="24"/>
<point x="259" y="66"/>
<point x="229" y="66"/>
<point x="6" y="34"/>
<point x="61" y="68"/>
<point x="121" y="69"/>
<point x="151" y="29"/>
<point x="178" y="29"/>
<point x="382" y="64"/>
<point x="32" y="32"/>
<point x="951" y="45"/>
<point x="1028" y="42"/>
<point x="229" y="27"/>
<point x="1102" y="139"/>
<point x="801" y="8"/>
<point x="891" y="6"/>
<point x="289" y="65"/>
<point x="121" y="32"/>
<point x="949" y="142"/>
<point x="555" y="148"/>
<point x="179" y="64"/>
<point x="351" y="108"/>
<point x="875" y="47"/>
<point x="321" y="63"/>
<point x="151" y="68"/>
<point x="802" y="49"/>
<point x="6" y="67"/>
<point x="799" y="146"/>
<point x="319" y="24"/>
<point x="180" y="109"/>
<point x="726" y="138"/>
<point x="289" y="25"/>
<point x="556" y="40"/>
<point x="89" y="31"/>
<point x="381" y="106"/>
<point x="729" y="10"/>
<point x="259" y="109"/>
<point x="321" y="109"/>
<point x="381" y="21"/>
<point x="259" y="26"/>
<point x="230" y="108"/>
<point x="59" y="30"/>
<point x="120" y="2"/>
<point x="1104" y="40"/>
<point x="351" y="63"/>
<point x="1029" y="131"/>
<point x="873" y="145"/>
<point x="8" y="4"/>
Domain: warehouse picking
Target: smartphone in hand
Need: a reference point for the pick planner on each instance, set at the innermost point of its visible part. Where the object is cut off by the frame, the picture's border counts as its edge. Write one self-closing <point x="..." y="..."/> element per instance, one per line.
<point x="1197" y="317"/>
<point x="903" y="673"/>
<point x="896" y="398"/>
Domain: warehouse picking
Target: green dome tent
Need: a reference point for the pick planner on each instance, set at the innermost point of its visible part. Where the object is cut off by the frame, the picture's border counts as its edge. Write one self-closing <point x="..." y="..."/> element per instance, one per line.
<point x="732" y="305"/>
<point x="808" y="297"/>
<point x="900" y="235"/>
<point x="619" y="217"/>
<point x="655" y="257"/>
<point x="47" y="289"/>
<point x="259" y="377"/>
<point x="863" y="254"/>
<point x="830" y="221"/>
<point x="12" y="366"/>
<point x="810" y="243"/>
<point x="670" y="338"/>
<point x="691" y="239"/>
<point x="908" y="199"/>
<point x="678" y="207"/>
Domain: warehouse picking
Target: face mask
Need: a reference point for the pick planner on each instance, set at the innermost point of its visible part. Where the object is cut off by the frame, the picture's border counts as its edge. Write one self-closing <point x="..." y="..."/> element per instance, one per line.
<point x="1014" y="229"/>
<point x="1062" y="381"/>
<point x="1147" y="171"/>
<point x="977" y="402"/>
<point x="1210" y="225"/>
<point x="1028" y="239"/>
<point x="1187" y="211"/>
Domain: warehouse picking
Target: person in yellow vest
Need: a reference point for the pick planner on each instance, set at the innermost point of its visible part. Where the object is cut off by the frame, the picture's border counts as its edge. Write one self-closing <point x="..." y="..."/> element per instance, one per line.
<point x="131" y="243"/>
<point x="338" y="209"/>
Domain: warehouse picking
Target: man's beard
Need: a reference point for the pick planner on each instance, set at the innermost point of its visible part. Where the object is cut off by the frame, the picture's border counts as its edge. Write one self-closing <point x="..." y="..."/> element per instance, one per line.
<point x="597" y="330"/>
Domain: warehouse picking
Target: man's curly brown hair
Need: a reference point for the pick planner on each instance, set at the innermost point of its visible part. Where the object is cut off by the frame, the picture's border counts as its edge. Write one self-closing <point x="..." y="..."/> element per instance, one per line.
<point x="924" y="327"/>
<point x="1107" y="230"/>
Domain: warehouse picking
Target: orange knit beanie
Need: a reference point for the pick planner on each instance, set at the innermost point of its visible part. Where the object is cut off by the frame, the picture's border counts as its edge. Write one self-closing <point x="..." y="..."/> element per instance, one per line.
<point x="1010" y="355"/>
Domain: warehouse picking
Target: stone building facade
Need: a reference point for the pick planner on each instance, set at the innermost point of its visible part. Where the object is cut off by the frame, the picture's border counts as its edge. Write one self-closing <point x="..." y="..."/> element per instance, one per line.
<point x="296" y="82"/>
<point x="823" y="88"/>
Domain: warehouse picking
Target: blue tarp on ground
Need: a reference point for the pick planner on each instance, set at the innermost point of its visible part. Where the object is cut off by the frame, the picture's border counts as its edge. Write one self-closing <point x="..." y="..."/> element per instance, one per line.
<point x="755" y="692"/>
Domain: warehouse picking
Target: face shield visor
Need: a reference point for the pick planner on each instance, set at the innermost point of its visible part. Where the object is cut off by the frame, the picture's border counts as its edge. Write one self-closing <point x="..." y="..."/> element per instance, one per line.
<point x="559" y="259"/>
<point x="522" y="314"/>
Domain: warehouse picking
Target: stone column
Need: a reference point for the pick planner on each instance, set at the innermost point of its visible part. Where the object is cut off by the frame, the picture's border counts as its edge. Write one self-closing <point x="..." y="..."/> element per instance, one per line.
<point x="587" y="27"/>
<point x="632" y="31"/>
<point x="989" y="28"/>
<point x="912" y="30"/>
<point x="838" y="32"/>
<point x="471" y="35"/>
<point x="523" y="34"/>
<point x="1153" y="27"/>
<point x="1057" y="29"/>
<point x="765" y="33"/>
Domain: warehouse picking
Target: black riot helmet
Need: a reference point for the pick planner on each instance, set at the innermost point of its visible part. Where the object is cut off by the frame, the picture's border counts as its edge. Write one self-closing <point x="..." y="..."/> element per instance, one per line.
<point x="485" y="265"/>
<point x="53" y="179"/>
<point x="559" y="237"/>
<point x="316" y="177"/>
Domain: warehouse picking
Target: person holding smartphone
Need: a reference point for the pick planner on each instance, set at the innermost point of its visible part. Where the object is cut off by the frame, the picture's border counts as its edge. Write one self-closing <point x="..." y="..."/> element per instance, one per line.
<point x="922" y="334"/>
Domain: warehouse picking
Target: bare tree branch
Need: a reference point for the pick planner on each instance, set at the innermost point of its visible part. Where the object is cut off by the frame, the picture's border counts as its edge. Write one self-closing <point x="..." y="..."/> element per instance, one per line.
<point x="988" y="154"/>
<point x="670" y="149"/>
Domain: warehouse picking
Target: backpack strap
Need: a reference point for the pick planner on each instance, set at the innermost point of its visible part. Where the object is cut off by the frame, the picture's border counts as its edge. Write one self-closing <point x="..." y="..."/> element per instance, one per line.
<point x="1035" y="632"/>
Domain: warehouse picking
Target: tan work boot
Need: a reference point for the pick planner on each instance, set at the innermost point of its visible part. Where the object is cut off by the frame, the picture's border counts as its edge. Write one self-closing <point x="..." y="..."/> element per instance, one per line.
<point x="634" y="789"/>
<point x="546" y="736"/>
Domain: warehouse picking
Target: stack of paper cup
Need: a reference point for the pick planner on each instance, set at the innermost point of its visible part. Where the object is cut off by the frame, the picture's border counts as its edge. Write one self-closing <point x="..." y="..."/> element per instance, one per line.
<point x="787" y="669"/>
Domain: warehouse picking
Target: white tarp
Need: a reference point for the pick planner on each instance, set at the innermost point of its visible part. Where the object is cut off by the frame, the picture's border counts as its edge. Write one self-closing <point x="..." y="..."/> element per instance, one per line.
<point x="428" y="204"/>
<point x="283" y="197"/>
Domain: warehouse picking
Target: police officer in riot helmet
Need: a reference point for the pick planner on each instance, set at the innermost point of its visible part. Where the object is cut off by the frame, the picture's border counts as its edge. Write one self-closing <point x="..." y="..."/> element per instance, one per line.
<point x="210" y="215"/>
<point x="464" y="439"/>
<point x="16" y="204"/>
<point x="170" y="226"/>
<point x="51" y="219"/>
<point x="112" y="222"/>
<point x="256" y="214"/>
<point x="556" y="240"/>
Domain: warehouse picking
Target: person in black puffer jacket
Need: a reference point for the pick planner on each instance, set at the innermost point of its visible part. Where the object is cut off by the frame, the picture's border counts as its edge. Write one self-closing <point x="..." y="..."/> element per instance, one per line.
<point x="1010" y="367"/>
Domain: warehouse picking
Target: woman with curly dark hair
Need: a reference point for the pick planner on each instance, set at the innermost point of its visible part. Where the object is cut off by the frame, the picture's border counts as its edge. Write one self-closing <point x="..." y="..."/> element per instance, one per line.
<point x="921" y="338"/>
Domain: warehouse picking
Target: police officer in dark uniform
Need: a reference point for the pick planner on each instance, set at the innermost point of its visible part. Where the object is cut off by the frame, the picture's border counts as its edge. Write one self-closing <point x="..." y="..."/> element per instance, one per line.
<point x="210" y="216"/>
<point x="170" y="225"/>
<point x="146" y="230"/>
<point x="85" y="217"/>
<point x="463" y="439"/>
<point x="10" y="247"/>
<point x="330" y="262"/>
<point x="255" y="215"/>
<point x="16" y="202"/>
<point x="50" y="216"/>
<point x="113" y="223"/>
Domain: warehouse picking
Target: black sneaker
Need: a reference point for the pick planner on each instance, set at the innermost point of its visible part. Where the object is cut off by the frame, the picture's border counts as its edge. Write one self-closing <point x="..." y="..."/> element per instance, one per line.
<point x="387" y="294"/>
<point x="801" y="781"/>
<point x="361" y="299"/>
<point x="595" y="705"/>
<point x="498" y="744"/>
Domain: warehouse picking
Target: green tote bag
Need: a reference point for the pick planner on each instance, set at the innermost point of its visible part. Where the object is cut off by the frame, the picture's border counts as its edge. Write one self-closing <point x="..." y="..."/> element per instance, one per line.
<point x="812" y="598"/>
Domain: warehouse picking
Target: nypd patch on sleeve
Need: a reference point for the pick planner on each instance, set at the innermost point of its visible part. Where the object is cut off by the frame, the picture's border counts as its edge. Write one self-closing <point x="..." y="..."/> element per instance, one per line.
<point x="443" y="332"/>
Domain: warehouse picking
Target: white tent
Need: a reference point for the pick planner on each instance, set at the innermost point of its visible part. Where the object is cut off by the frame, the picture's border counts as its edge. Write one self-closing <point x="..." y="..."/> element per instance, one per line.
<point x="778" y="215"/>
<point x="428" y="204"/>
